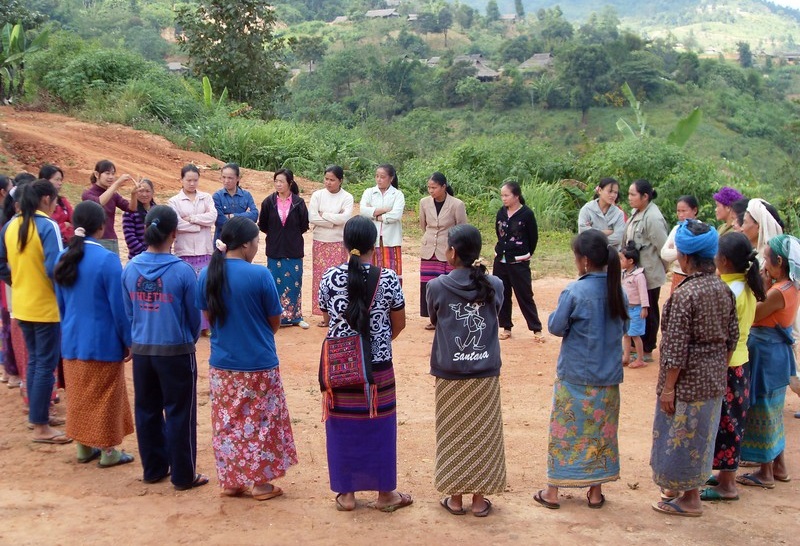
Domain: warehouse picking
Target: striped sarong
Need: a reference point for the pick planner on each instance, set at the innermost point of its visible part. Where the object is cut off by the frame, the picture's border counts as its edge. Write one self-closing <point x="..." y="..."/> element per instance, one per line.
<point x="98" y="411"/>
<point x="429" y="270"/>
<point x="389" y="257"/>
<point x="323" y="256"/>
<point x="470" y="455"/>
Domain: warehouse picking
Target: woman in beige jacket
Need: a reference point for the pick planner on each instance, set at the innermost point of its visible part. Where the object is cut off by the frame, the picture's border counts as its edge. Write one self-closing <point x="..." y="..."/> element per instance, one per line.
<point x="437" y="214"/>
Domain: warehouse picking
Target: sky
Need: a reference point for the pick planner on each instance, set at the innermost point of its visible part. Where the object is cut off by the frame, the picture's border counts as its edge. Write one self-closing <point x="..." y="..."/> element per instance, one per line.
<point x="789" y="3"/>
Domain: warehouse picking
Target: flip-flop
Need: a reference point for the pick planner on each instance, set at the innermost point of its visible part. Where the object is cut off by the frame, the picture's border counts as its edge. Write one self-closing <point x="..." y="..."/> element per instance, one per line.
<point x="58" y="439"/>
<point x="274" y="492"/>
<point x="749" y="464"/>
<point x="547" y="504"/>
<point x="595" y="505"/>
<point x="124" y="458"/>
<point x="785" y="479"/>
<point x="674" y="510"/>
<point x="713" y="481"/>
<point x="538" y="337"/>
<point x="91" y="457"/>
<point x="637" y="364"/>
<point x="505" y="334"/>
<point x="199" y="479"/>
<point x="341" y="507"/>
<point x="405" y="500"/>
<point x="709" y="494"/>
<point x="430" y="326"/>
<point x="485" y="512"/>
<point x="445" y="502"/>
<point x="750" y="480"/>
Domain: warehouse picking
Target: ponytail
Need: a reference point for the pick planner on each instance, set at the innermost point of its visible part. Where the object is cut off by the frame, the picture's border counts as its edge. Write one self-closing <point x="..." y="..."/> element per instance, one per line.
<point x="738" y="250"/>
<point x="465" y="239"/>
<point x="616" y="302"/>
<point x="31" y="196"/>
<point x="359" y="238"/>
<point x="88" y="217"/>
<point x="593" y="245"/>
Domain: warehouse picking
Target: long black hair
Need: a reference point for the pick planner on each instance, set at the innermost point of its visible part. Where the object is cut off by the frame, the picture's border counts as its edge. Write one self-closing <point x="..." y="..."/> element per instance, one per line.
<point x="30" y="197"/>
<point x="737" y="249"/>
<point x="102" y="166"/>
<point x="87" y="215"/>
<point x="441" y="179"/>
<point x="644" y="187"/>
<point x="236" y="232"/>
<point x="289" y="178"/>
<point x="593" y="245"/>
<point x="515" y="189"/>
<point x="359" y="238"/>
<point x="465" y="239"/>
<point x="161" y="221"/>
<point x="390" y="170"/>
<point x="5" y="184"/>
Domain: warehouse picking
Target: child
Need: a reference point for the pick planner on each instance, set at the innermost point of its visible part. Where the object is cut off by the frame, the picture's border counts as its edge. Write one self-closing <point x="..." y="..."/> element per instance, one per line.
<point x="583" y="450"/>
<point x="465" y="359"/>
<point x="635" y="286"/>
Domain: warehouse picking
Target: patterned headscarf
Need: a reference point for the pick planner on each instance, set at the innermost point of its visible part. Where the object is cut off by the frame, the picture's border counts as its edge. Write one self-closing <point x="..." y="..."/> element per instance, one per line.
<point x="788" y="248"/>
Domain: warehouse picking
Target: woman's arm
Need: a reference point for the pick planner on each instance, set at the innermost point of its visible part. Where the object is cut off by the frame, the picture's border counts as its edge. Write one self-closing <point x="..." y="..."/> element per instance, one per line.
<point x="398" y="321"/>
<point x="107" y="195"/>
<point x="461" y="212"/>
<point x="207" y="218"/>
<point x="668" y="252"/>
<point x="772" y="304"/>
<point x="183" y="225"/>
<point x="339" y="219"/>
<point x="365" y="209"/>
<point x="134" y="237"/>
<point x="395" y="214"/>
<point x="618" y="223"/>
<point x="314" y="215"/>
<point x="559" y="321"/>
<point x="250" y="210"/>
<point x="263" y="218"/>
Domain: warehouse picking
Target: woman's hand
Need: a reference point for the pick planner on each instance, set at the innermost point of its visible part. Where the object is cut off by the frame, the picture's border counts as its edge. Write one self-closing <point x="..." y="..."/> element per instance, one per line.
<point x="667" y="401"/>
<point x="643" y="314"/>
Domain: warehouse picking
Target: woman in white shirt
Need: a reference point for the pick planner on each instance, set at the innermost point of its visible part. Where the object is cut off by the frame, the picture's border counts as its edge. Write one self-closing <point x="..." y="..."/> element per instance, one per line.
<point x="384" y="205"/>
<point x="686" y="208"/>
<point x="328" y="211"/>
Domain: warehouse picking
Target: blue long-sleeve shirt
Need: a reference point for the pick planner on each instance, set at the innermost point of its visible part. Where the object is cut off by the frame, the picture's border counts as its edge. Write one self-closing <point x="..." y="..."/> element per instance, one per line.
<point x="591" y="351"/>
<point x="240" y="203"/>
<point x="94" y="325"/>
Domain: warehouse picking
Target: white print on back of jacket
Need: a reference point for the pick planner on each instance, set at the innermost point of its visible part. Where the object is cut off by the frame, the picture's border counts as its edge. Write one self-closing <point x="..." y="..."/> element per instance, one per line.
<point x="470" y="346"/>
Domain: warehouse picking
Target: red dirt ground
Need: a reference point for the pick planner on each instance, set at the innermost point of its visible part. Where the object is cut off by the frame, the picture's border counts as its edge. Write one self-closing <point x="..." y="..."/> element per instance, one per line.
<point x="45" y="497"/>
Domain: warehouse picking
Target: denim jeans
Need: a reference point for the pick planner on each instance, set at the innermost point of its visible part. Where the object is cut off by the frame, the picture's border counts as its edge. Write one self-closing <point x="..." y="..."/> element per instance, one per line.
<point x="43" y="340"/>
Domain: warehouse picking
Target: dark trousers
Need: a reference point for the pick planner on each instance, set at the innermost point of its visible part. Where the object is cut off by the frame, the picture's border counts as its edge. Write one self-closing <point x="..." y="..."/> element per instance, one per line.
<point x="43" y="341"/>
<point x="517" y="276"/>
<point x="165" y="406"/>
<point x="652" y="322"/>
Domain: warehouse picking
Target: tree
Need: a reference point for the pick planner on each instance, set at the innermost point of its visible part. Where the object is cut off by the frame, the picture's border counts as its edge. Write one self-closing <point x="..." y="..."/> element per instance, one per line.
<point x="492" y="11"/>
<point x="232" y="42"/>
<point x="445" y="20"/>
<point x="309" y="49"/>
<point x="745" y="55"/>
<point x="14" y="48"/>
<point x="688" y="68"/>
<point x="13" y="11"/>
<point x="465" y="15"/>
<point x="585" y="69"/>
<point x="519" y="8"/>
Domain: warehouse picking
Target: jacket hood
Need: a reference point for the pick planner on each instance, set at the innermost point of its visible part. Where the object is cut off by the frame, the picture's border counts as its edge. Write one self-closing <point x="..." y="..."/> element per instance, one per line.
<point x="459" y="283"/>
<point x="151" y="265"/>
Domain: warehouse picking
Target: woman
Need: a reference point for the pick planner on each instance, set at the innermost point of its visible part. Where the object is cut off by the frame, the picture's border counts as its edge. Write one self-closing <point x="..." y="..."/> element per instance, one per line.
<point x="328" y="211"/>
<point x="437" y="214"/>
<point x="231" y="200"/>
<point x="583" y="450"/>
<point x="772" y="363"/>
<point x="163" y="347"/>
<point x="103" y="190"/>
<point x="252" y="432"/>
<point x="29" y="248"/>
<point x="602" y="213"/>
<point x="362" y="449"/>
<point x="738" y="268"/>
<point x="724" y="200"/>
<point x="9" y="373"/>
<point x="95" y="341"/>
<point x="133" y="221"/>
<point x="384" y="205"/>
<point x="648" y="230"/>
<point x="517" y="235"/>
<point x="469" y="424"/>
<point x="700" y="333"/>
<point x="196" y="216"/>
<point x="63" y="212"/>
<point x="685" y="208"/>
<point x="760" y="224"/>
<point x="284" y="219"/>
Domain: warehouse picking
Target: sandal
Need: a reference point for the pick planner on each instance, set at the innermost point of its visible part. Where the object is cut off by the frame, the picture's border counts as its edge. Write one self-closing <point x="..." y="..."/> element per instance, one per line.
<point x="94" y="454"/>
<point x="341" y="507"/>
<point x="505" y="334"/>
<point x="124" y="458"/>
<point x="430" y="326"/>
<point x="485" y="512"/>
<point x="199" y="479"/>
<point x="595" y="505"/>
<point x="322" y="324"/>
<point x="405" y="500"/>
<point x="271" y="494"/>
<point x="546" y="503"/>
<point x="538" y="337"/>
<point x="445" y="502"/>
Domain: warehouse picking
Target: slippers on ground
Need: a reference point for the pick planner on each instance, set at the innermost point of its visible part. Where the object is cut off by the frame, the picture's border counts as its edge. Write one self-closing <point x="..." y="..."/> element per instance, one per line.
<point x="538" y="337"/>
<point x="709" y="494"/>
<point x="341" y="507"/>
<point x="271" y="494"/>
<point x="91" y="457"/>
<point x="505" y="334"/>
<point x="54" y="421"/>
<point x="445" y="502"/>
<point x="485" y="512"/>
<point x="595" y="505"/>
<point x="322" y="324"/>
<point x="673" y="509"/>
<point x="124" y="458"/>
<point x="637" y="364"/>
<point x="547" y="504"/>
<point x="157" y="479"/>
<point x="233" y="492"/>
<point x="713" y="481"/>
<point x="199" y="479"/>
<point x="751" y="480"/>
<point x="430" y="326"/>
<point x="666" y="498"/>
<point x="405" y="500"/>
<point x="59" y="439"/>
<point x="785" y="479"/>
<point x="748" y="464"/>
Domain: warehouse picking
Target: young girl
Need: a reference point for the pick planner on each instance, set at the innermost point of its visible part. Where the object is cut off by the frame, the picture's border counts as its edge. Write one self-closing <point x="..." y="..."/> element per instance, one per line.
<point x="159" y="296"/>
<point x="738" y="267"/>
<point x="196" y="217"/>
<point x="465" y="359"/>
<point x="29" y="247"/>
<point x="252" y="431"/>
<point x="103" y="190"/>
<point x="95" y="341"/>
<point x="635" y="286"/>
<point x="583" y="450"/>
<point x="63" y="212"/>
<point x="133" y="221"/>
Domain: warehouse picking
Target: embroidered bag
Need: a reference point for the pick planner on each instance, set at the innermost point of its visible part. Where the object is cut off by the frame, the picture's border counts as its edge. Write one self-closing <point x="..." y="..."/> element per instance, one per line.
<point x="347" y="361"/>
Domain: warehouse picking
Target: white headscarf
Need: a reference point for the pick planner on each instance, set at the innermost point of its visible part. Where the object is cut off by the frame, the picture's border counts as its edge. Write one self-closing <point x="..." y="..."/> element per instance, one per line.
<point x="767" y="226"/>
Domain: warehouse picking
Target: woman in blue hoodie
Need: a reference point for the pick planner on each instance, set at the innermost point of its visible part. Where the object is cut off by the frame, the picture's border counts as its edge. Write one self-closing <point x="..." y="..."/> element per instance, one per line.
<point x="159" y="295"/>
<point x="465" y="359"/>
<point x="95" y="341"/>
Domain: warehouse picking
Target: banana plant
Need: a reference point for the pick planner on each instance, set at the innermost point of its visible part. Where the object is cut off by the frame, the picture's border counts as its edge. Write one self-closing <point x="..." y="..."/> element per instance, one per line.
<point x="15" y="48"/>
<point x="641" y="120"/>
<point x="683" y="130"/>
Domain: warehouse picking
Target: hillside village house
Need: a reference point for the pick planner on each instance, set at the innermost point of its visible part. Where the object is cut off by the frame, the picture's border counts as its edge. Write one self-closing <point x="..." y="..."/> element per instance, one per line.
<point x="484" y="73"/>
<point x="381" y="13"/>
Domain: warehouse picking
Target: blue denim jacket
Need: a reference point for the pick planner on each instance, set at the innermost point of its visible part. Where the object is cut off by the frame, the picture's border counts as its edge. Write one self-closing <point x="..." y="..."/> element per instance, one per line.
<point x="591" y="351"/>
<point x="240" y="203"/>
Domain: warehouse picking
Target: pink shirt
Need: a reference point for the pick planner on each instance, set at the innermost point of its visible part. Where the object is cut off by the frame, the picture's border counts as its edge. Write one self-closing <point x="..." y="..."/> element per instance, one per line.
<point x="635" y="286"/>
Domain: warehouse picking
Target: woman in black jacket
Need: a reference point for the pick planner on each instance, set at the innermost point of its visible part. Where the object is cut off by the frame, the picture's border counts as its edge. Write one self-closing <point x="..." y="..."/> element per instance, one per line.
<point x="284" y="219"/>
<point x="517" y="235"/>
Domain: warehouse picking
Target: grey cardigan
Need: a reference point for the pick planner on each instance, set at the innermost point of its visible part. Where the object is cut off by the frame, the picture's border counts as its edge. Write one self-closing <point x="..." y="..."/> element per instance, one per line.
<point x="648" y="230"/>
